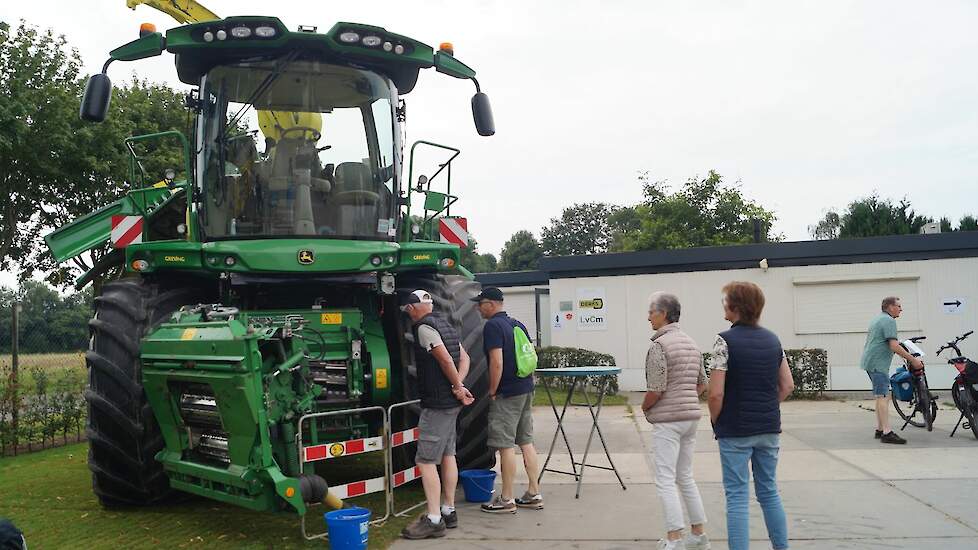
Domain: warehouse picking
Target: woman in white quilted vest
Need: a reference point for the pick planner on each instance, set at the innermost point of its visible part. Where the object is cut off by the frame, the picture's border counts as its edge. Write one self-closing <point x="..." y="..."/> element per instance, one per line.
<point x="676" y="378"/>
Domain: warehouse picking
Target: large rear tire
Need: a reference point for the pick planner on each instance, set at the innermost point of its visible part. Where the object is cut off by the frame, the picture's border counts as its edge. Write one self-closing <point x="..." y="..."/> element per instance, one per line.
<point x="123" y="434"/>
<point x="451" y="295"/>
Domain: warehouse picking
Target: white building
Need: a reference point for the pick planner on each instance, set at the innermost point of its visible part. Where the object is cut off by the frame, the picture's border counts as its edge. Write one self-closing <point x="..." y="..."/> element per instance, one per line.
<point x="820" y="294"/>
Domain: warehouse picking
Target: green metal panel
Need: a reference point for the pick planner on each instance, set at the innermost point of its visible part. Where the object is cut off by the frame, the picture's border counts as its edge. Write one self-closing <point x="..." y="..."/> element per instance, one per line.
<point x="447" y="64"/>
<point x="150" y="45"/>
<point x="92" y="230"/>
<point x="222" y="356"/>
<point x="282" y="255"/>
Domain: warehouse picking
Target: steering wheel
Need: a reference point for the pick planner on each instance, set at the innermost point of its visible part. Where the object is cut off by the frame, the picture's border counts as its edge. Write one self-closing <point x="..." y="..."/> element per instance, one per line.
<point x="316" y="134"/>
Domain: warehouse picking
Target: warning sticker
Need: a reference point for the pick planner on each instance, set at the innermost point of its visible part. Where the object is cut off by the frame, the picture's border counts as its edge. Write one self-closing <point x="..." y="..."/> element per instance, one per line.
<point x="380" y="379"/>
<point x="331" y="319"/>
<point x="188" y="334"/>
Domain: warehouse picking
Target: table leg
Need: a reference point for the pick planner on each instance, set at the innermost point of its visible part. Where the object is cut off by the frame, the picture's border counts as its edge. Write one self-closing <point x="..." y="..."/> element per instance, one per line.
<point x="560" y="428"/>
<point x="590" y="437"/>
<point x="604" y="391"/>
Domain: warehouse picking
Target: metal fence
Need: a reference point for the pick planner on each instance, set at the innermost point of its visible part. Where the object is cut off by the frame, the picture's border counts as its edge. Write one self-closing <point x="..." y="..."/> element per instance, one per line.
<point x="42" y="378"/>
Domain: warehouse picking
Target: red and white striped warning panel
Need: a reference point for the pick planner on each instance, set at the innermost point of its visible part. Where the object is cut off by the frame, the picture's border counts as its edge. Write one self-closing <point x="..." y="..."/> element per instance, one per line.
<point x="454" y="231"/>
<point x="402" y="477"/>
<point x="342" y="448"/>
<point x="407" y="436"/>
<point x="358" y="488"/>
<point x="126" y="230"/>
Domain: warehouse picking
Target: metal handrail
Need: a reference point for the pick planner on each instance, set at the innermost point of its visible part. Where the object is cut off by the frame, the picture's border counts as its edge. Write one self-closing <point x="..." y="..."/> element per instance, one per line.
<point x="387" y="460"/>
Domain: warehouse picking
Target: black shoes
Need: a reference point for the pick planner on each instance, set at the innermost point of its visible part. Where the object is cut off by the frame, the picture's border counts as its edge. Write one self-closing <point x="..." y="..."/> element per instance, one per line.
<point x="450" y="520"/>
<point x="879" y="434"/>
<point x="892" y="438"/>
<point x="423" y="528"/>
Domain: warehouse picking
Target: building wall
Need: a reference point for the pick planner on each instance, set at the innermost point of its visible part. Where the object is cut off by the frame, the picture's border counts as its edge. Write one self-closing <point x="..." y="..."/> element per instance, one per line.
<point x="824" y="306"/>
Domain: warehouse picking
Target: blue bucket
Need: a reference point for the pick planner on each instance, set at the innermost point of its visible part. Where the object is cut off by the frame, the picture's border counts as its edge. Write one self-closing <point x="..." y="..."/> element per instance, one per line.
<point x="477" y="484"/>
<point x="348" y="528"/>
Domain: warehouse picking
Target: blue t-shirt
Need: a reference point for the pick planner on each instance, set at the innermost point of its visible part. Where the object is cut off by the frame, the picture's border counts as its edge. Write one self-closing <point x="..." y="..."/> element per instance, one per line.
<point x="498" y="333"/>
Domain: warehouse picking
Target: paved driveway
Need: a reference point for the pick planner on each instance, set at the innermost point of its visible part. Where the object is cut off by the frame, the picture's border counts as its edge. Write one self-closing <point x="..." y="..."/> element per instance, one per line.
<point x="841" y="487"/>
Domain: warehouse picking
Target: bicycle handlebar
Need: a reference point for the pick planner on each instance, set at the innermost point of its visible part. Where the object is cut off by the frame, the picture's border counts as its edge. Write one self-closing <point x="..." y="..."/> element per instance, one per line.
<point x="953" y="344"/>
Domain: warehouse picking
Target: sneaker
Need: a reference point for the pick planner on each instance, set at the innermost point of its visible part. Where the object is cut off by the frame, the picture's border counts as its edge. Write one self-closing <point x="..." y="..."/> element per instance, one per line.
<point x="879" y="434"/>
<point x="500" y="506"/>
<point x="697" y="542"/>
<point x="450" y="520"/>
<point x="665" y="544"/>
<point x="530" y="501"/>
<point x="423" y="528"/>
<point x="892" y="438"/>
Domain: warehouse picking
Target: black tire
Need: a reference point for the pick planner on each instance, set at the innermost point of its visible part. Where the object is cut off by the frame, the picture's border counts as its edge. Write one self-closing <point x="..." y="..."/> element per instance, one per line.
<point x="907" y="409"/>
<point x="928" y="408"/>
<point x="451" y="295"/>
<point x="123" y="434"/>
<point x="966" y="404"/>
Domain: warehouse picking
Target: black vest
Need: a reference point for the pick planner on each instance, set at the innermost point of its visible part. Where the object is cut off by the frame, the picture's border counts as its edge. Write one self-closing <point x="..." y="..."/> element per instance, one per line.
<point x="434" y="389"/>
<point x="750" y="392"/>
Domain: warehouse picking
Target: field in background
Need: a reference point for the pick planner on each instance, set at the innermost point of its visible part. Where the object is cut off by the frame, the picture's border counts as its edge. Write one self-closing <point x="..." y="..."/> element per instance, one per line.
<point x="48" y="495"/>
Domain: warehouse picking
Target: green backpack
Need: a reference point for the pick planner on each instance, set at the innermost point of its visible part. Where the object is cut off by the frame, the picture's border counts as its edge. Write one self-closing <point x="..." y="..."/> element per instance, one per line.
<point x="526" y="353"/>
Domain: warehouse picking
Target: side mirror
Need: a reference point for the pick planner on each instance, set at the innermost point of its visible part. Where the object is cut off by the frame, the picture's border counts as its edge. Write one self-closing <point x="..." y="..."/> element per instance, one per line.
<point x="95" y="103"/>
<point x="482" y="115"/>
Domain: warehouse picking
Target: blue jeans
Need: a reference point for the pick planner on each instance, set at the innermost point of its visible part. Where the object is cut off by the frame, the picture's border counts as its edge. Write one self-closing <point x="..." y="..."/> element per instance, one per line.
<point x="761" y="451"/>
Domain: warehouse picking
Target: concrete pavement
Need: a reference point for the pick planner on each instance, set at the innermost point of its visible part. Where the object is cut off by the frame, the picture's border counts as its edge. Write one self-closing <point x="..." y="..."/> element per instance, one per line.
<point x="841" y="488"/>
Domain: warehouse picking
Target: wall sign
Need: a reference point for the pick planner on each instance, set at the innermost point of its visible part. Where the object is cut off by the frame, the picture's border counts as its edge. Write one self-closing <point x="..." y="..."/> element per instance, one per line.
<point x="953" y="305"/>
<point x="592" y="309"/>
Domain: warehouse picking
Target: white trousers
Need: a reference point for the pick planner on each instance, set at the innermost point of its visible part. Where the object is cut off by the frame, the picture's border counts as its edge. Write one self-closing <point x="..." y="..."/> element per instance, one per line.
<point x="672" y="453"/>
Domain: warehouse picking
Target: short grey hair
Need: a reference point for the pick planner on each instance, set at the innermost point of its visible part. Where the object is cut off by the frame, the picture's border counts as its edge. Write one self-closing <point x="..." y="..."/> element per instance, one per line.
<point x="665" y="303"/>
<point x="889" y="301"/>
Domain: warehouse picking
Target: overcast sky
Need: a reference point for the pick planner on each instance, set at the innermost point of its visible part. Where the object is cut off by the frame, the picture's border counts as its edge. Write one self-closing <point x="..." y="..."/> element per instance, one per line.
<point x="810" y="105"/>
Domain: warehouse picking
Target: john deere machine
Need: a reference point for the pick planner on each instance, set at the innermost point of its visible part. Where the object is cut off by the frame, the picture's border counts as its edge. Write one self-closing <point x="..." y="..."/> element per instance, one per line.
<point x="262" y="286"/>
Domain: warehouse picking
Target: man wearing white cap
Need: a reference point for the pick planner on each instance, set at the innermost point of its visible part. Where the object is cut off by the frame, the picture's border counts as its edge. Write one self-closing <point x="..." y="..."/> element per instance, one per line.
<point x="442" y="364"/>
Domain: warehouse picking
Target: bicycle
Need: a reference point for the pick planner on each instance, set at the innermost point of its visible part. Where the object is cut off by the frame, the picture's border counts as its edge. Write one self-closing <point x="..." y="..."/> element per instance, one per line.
<point x="922" y="400"/>
<point x="964" y="390"/>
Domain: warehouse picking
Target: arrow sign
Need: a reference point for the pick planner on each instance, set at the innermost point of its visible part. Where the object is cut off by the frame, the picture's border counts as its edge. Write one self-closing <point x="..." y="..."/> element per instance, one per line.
<point x="953" y="305"/>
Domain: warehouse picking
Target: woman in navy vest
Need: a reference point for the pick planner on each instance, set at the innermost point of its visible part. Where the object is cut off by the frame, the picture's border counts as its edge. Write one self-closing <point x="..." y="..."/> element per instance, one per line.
<point x="749" y="378"/>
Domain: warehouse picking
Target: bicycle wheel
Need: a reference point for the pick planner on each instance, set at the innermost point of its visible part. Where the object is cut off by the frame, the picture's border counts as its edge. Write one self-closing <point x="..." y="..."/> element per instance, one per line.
<point x="906" y="409"/>
<point x="966" y="404"/>
<point x="927" y="407"/>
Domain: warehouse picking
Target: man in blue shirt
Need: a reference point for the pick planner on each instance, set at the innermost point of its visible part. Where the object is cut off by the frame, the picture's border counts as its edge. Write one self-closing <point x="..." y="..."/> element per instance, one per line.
<point x="881" y="344"/>
<point x="511" y="408"/>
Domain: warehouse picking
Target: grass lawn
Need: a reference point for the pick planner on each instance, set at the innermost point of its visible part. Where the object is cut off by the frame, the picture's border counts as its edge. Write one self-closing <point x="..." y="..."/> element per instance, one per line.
<point x="48" y="495"/>
<point x="559" y="395"/>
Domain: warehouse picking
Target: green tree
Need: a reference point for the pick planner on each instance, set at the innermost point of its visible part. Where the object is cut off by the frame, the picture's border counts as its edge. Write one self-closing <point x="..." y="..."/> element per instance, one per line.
<point x="522" y="251"/>
<point x="968" y="223"/>
<point x="475" y="262"/>
<point x="48" y="321"/>
<point x="874" y="216"/>
<point x="39" y="92"/>
<point x="704" y="212"/>
<point x="827" y="228"/>
<point x="55" y="168"/>
<point x="581" y="229"/>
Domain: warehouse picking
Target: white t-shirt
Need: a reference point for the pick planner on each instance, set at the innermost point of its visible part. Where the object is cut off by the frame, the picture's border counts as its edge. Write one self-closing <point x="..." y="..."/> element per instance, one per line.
<point x="429" y="338"/>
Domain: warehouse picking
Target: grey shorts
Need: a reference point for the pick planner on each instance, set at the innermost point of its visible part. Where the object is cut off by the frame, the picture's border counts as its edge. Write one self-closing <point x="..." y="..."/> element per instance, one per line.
<point x="881" y="383"/>
<point x="436" y="437"/>
<point x="511" y="421"/>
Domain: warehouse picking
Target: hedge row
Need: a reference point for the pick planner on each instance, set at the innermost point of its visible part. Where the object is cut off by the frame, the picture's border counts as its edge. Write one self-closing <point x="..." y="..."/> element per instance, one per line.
<point x="51" y="409"/>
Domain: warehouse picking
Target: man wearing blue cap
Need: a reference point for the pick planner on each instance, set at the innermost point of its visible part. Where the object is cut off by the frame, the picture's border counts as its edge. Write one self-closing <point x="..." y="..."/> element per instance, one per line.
<point x="511" y="409"/>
